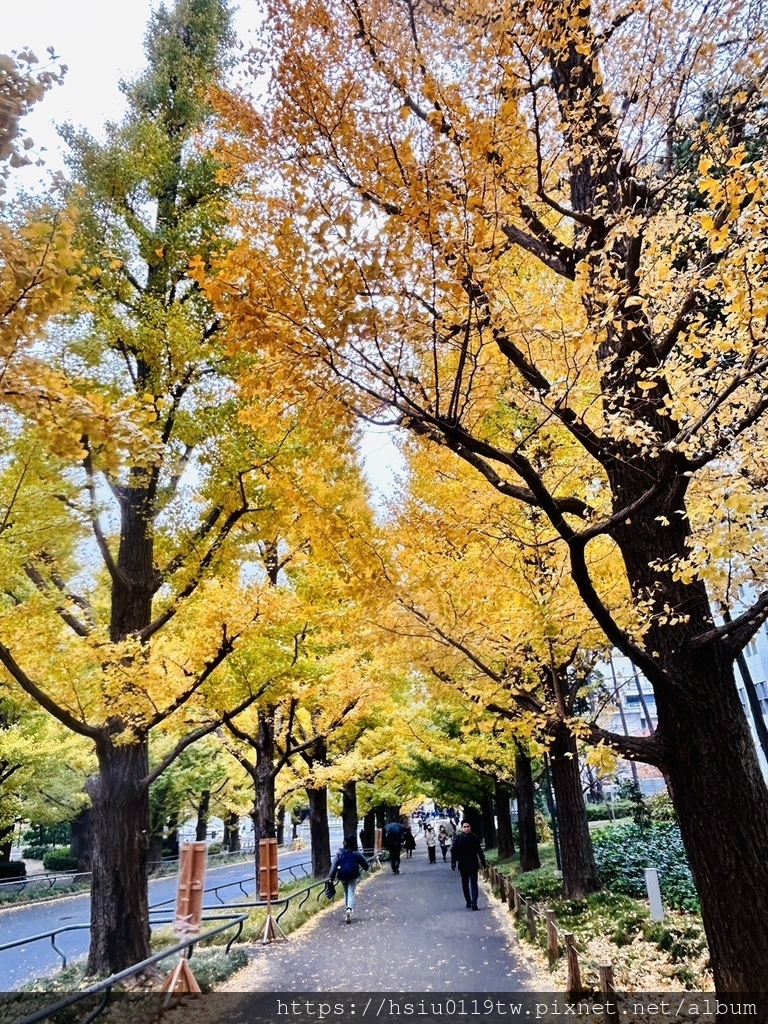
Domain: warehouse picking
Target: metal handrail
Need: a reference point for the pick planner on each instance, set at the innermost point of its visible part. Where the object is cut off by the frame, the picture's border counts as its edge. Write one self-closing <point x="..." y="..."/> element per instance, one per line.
<point x="108" y="984"/>
<point x="51" y="877"/>
<point x="157" y="907"/>
<point x="239" y="882"/>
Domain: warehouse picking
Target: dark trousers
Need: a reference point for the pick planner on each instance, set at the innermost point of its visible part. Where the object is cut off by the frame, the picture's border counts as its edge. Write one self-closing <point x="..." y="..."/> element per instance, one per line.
<point x="432" y="854"/>
<point x="469" y="887"/>
<point x="394" y="857"/>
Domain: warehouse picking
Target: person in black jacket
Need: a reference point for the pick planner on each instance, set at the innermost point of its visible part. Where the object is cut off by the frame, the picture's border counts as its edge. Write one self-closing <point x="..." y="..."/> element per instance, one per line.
<point x="467" y="853"/>
<point x="347" y="867"/>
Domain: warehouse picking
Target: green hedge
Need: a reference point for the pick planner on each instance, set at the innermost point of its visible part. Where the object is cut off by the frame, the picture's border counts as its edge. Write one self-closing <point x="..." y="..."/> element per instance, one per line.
<point x="13" y="869"/>
<point x="35" y="852"/>
<point x="602" y="812"/>
<point x="623" y="852"/>
<point x="60" y="860"/>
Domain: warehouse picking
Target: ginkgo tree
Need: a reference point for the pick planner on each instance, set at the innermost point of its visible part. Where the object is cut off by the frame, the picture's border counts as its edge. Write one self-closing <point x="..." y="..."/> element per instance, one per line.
<point x="121" y="619"/>
<point x="509" y="228"/>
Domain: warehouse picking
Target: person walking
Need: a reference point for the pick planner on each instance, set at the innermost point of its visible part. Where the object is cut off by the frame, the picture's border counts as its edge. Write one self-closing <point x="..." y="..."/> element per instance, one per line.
<point x="444" y="841"/>
<point x="430" y="838"/>
<point x="409" y="842"/>
<point x="346" y="867"/>
<point x="393" y="840"/>
<point x="467" y="854"/>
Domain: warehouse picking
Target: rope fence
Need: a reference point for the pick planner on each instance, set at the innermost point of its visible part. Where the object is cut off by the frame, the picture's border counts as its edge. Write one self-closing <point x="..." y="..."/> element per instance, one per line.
<point x="542" y="929"/>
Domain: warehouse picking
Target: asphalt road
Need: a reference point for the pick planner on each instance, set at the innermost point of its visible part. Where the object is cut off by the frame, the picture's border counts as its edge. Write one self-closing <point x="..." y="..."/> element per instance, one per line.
<point x="36" y="959"/>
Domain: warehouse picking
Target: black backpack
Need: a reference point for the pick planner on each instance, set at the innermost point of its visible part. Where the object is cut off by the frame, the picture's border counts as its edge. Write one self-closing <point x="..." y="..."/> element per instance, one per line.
<point x="348" y="866"/>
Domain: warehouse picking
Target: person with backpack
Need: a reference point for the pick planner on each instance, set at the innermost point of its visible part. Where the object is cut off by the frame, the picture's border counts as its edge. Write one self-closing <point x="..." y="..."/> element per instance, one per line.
<point x="346" y="867"/>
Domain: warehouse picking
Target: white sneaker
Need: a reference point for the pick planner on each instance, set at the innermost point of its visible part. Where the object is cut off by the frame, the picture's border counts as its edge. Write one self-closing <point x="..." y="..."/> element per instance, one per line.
<point x="348" y="916"/>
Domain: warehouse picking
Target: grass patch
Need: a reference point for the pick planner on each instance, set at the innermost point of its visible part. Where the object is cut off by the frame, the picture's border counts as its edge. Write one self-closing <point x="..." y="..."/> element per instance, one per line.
<point x="616" y="926"/>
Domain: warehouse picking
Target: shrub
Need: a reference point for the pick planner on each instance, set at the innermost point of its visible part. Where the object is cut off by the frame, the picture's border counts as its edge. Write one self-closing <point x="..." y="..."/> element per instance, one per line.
<point x="602" y="812"/>
<point x="622" y="854"/>
<point x="35" y="852"/>
<point x="215" y="848"/>
<point x="661" y="807"/>
<point x="543" y="828"/>
<point x="60" y="860"/>
<point x="13" y="869"/>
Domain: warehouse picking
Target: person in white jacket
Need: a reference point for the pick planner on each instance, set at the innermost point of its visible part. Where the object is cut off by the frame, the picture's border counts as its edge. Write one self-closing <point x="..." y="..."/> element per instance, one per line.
<point x="430" y="837"/>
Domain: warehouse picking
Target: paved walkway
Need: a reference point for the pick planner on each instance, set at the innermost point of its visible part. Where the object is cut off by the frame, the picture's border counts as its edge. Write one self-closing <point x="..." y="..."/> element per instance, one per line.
<point x="411" y="932"/>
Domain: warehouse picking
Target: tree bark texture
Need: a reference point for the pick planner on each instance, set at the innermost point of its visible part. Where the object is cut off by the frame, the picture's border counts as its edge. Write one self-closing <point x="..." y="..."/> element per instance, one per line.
<point x="578" y="860"/>
<point x="489" y="826"/>
<point x="526" y="813"/>
<point x="119" y="901"/>
<point x="505" y="843"/>
<point x="81" y="843"/>
<point x="318" y="831"/>
<point x="349" y="817"/>
<point x="203" y="811"/>
<point x="264" y="808"/>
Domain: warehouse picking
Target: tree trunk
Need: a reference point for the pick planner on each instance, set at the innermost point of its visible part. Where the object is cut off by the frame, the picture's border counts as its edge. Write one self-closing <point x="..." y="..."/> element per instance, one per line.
<point x="709" y="756"/>
<point x="489" y="825"/>
<point x="505" y="841"/>
<point x="171" y="843"/>
<point x="578" y="860"/>
<point x="369" y="830"/>
<point x="318" y="830"/>
<point x="231" y="840"/>
<point x="6" y="843"/>
<point x="349" y="817"/>
<point x="526" y="813"/>
<point x="719" y="795"/>
<point x="81" y="841"/>
<point x="264" y="805"/>
<point x="203" y="810"/>
<point x="119" y="903"/>
<point x="475" y="819"/>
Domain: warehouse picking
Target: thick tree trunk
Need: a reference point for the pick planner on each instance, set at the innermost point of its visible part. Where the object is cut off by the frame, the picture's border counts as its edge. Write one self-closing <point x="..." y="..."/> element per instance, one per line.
<point x="318" y="830"/>
<point x="203" y="811"/>
<point x="119" y="903"/>
<point x="578" y="860"/>
<point x="719" y="795"/>
<point x="489" y="825"/>
<point x="475" y="819"/>
<point x="505" y="843"/>
<point x="349" y="817"/>
<point x="710" y="760"/>
<point x="526" y="813"/>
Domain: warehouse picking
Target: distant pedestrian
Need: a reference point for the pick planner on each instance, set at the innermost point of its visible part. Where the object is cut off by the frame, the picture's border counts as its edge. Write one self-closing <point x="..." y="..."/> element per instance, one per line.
<point x="467" y="854"/>
<point x="444" y="841"/>
<point x="349" y="861"/>
<point x="430" y="838"/>
<point x="393" y="840"/>
<point x="409" y="842"/>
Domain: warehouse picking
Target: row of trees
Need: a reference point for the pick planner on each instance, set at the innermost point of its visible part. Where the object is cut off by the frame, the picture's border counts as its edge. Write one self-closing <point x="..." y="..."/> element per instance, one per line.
<point x="529" y="236"/>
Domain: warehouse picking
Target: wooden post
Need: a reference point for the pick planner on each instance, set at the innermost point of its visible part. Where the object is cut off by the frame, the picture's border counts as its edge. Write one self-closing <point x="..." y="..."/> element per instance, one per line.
<point x="189" y="915"/>
<point x="608" y="994"/>
<point x="269" y="889"/>
<point x="553" y="940"/>
<point x="531" y="920"/>
<point x="189" y="891"/>
<point x="518" y="904"/>
<point x="573" y="983"/>
<point x="502" y="889"/>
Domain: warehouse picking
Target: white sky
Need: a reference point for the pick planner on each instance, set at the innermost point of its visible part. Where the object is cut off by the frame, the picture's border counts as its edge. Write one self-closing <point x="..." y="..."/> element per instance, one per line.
<point x="101" y="42"/>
